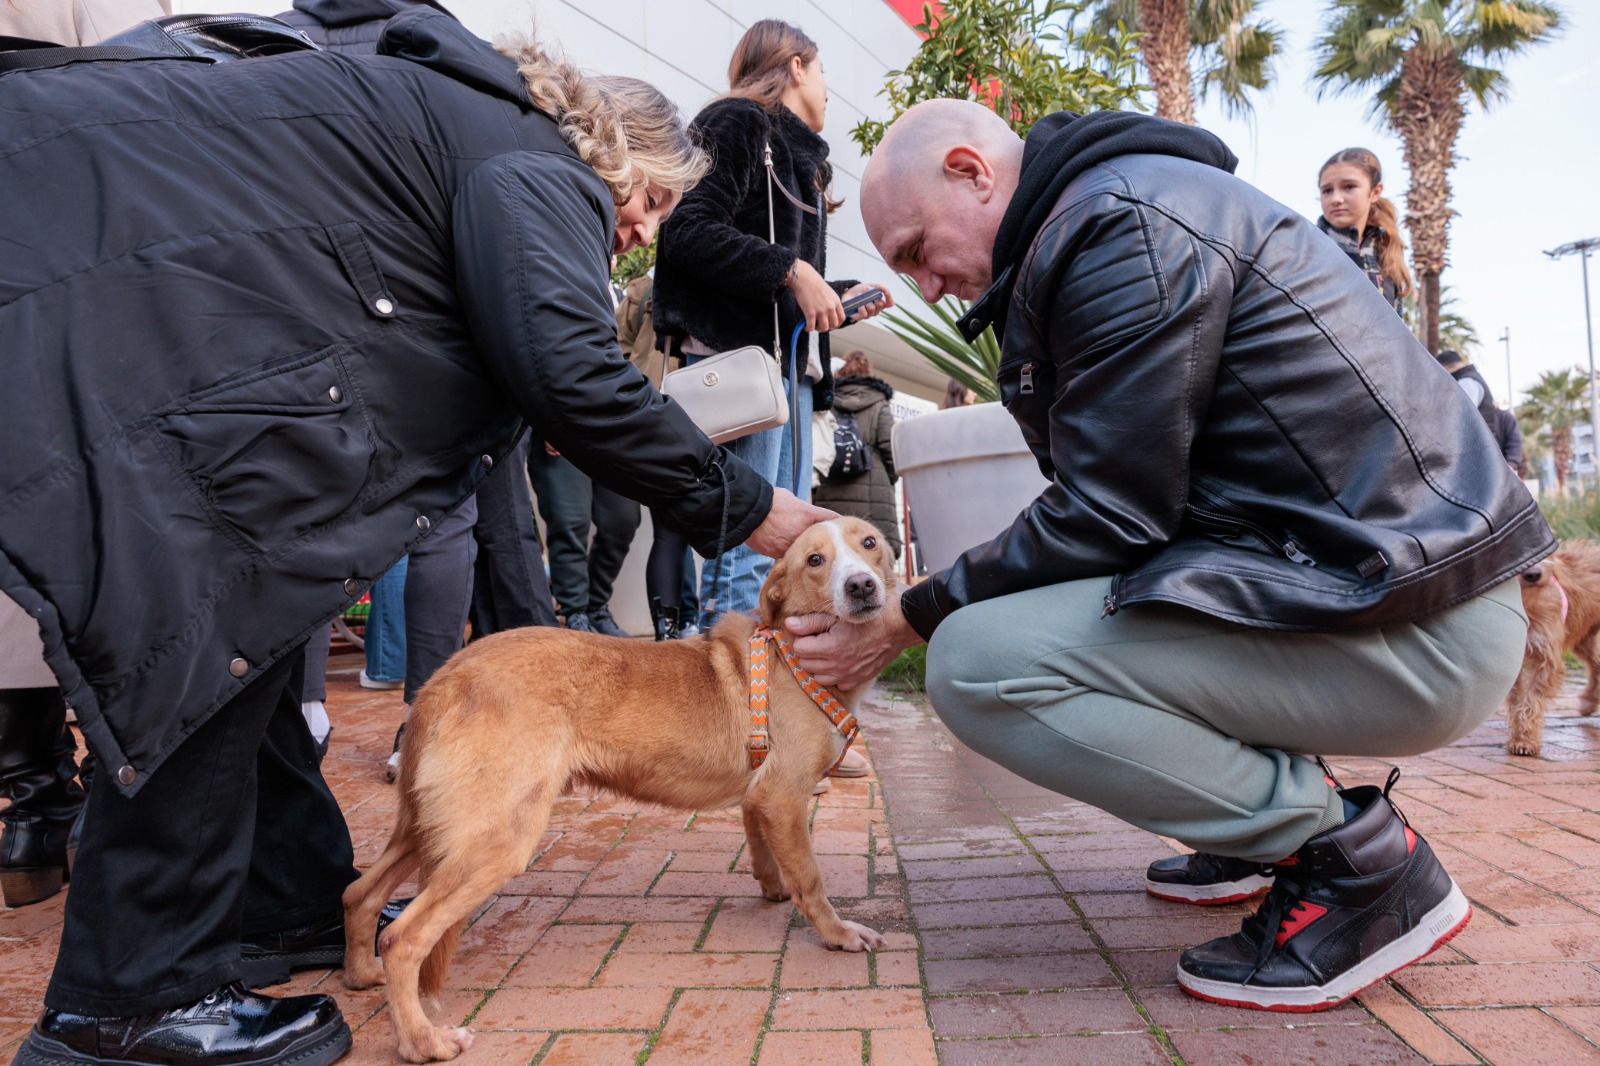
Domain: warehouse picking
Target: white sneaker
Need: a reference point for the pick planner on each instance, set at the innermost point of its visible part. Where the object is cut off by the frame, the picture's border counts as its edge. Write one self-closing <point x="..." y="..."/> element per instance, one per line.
<point x="370" y="682"/>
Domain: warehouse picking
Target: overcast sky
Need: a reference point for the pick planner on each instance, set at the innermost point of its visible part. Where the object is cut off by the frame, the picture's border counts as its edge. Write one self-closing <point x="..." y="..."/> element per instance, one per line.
<point x="1525" y="181"/>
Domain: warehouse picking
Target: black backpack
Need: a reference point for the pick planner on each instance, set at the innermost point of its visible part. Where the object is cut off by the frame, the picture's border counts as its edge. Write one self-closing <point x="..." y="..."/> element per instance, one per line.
<point x="851" y="456"/>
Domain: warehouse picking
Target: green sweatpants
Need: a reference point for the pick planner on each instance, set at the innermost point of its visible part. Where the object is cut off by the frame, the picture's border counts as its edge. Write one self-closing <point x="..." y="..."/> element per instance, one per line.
<point x="1183" y="724"/>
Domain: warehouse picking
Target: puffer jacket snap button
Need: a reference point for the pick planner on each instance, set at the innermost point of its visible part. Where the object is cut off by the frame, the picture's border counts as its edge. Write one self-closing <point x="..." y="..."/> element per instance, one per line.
<point x="126" y="775"/>
<point x="239" y="667"/>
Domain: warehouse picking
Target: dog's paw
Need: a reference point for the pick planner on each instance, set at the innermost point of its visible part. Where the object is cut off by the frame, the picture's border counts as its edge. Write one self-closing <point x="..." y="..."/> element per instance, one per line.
<point x="436" y="1044"/>
<point x="777" y="893"/>
<point x="858" y="937"/>
<point x="363" y="973"/>
<point x="1586" y="707"/>
<point x="1517" y="746"/>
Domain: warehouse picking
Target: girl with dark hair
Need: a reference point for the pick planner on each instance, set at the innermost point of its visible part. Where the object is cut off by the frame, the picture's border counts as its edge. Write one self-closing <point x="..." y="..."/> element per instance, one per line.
<point x="1366" y="226"/>
<point x="718" y="275"/>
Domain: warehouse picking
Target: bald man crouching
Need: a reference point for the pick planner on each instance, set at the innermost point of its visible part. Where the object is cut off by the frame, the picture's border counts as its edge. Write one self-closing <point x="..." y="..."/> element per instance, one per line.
<point x="1273" y="525"/>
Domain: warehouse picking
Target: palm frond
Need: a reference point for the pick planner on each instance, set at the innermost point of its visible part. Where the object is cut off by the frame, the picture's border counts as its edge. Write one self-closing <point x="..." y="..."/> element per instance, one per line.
<point x="941" y="343"/>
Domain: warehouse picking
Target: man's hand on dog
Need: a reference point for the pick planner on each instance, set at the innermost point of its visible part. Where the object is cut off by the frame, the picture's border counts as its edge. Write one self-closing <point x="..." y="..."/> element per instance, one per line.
<point x="790" y="516"/>
<point x="846" y="656"/>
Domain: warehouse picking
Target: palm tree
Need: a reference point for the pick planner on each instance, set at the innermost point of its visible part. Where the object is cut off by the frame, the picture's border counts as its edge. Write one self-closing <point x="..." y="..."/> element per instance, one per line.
<point x="1424" y="59"/>
<point x="1232" y="47"/>
<point x="1552" y="408"/>
<point x="1454" y="329"/>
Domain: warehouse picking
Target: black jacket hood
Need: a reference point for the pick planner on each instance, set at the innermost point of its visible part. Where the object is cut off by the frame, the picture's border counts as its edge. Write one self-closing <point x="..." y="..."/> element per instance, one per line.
<point x="355" y="12"/>
<point x="434" y="39"/>
<point x="1059" y="147"/>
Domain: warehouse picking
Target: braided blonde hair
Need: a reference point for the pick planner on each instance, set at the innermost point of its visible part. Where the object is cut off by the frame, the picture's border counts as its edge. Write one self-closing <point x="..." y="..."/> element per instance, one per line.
<point x="627" y="130"/>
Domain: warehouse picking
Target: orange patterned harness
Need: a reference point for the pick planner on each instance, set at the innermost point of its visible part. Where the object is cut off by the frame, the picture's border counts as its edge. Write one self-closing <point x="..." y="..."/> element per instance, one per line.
<point x="826" y="702"/>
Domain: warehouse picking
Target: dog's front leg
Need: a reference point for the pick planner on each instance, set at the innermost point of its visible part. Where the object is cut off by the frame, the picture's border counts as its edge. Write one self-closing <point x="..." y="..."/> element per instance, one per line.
<point x="1589" y="655"/>
<point x="762" y="865"/>
<point x="782" y="821"/>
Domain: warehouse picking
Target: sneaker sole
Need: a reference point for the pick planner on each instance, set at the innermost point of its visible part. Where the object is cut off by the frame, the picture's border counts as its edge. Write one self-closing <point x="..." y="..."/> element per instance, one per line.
<point x="1209" y="895"/>
<point x="264" y="971"/>
<point x="321" y="1048"/>
<point x="1437" y="926"/>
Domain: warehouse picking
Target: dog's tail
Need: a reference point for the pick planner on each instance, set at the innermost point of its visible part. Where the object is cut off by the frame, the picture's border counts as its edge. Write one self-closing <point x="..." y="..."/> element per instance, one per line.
<point x="437" y="965"/>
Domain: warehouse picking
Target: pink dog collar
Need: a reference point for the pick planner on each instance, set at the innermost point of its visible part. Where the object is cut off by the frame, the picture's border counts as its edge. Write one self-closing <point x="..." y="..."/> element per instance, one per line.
<point x="1565" y="604"/>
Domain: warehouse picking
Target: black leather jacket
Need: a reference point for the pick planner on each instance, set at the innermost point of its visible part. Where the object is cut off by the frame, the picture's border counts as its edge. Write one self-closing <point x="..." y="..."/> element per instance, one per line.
<point x="1233" y="419"/>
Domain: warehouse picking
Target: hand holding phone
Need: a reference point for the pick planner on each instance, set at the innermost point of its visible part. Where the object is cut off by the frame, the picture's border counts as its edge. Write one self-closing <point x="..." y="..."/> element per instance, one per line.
<point x="862" y="299"/>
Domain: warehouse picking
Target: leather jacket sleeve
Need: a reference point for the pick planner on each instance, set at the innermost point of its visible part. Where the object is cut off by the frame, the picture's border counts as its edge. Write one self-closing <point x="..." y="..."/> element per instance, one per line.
<point x="1113" y="340"/>
<point x="532" y="235"/>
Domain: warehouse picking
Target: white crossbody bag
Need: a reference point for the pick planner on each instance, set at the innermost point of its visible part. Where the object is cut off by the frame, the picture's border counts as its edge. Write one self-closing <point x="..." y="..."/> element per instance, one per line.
<point x="734" y="394"/>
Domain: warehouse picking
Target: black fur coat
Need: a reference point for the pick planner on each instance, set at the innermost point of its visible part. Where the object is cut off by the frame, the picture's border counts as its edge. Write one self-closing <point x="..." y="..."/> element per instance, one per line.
<point x="716" y="273"/>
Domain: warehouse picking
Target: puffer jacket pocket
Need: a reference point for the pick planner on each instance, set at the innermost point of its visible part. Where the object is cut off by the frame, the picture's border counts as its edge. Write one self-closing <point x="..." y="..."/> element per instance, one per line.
<point x="274" y="453"/>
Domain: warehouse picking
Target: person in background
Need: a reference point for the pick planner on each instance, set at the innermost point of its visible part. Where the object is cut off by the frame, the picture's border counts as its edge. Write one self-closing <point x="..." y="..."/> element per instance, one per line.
<point x="38" y="765"/>
<point x="1502" y="424"/>
<point x="862" y="399"/>
<point x="669" y="574"/>
<point x="1472" y="383"/>
<point x="1508" y="434"/>
<point x="717" y="274"/>
<point x="957" y="395"/>
<point x="1363" y="223"/>
<point x="583" y="572"/>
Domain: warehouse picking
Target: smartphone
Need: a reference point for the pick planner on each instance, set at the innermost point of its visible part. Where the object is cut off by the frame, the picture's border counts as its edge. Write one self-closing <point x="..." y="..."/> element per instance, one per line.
<point x="860" y="300"/>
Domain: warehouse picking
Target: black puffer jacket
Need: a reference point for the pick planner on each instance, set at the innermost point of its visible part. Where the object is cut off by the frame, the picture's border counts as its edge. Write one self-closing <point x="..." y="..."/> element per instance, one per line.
<point x="868" y="495"/>
<point x="1232" y="419"/>
<point x="716" y="272"/>
<point x="349" y="26"/>
<point x="265" y="323"/>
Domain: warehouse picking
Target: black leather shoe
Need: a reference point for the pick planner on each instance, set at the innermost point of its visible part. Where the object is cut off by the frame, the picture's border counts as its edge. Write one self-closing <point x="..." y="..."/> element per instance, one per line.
<point x="230" y="1027"/>
<point x="270" y="959"/>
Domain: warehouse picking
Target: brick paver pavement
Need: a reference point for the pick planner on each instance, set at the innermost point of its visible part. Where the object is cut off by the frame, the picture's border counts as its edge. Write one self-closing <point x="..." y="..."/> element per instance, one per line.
<point x="1039" y="944"/>
<point x="1019" y="931"/>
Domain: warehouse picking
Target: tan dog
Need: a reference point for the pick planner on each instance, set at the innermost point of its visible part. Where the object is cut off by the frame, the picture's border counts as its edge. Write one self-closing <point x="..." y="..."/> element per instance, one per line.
<point x="1562" y="598"/>
<point x="665" y="723"/>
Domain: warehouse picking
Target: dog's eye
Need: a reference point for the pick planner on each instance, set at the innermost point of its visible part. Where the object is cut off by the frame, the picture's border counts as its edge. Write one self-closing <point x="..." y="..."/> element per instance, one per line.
<point x="870" y="542"/>
<point x="813" y="559"/>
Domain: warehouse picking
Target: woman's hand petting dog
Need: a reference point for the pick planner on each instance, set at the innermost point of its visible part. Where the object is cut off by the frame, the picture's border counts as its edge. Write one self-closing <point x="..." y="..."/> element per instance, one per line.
<point x="849" y="656"/>
<point x="790" y="516"/>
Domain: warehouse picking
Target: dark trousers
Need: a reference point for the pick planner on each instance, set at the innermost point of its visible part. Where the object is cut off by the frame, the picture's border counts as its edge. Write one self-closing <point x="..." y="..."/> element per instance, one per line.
<point x="235" y="835"/>
<point x="438" y="593"/>
<point x="510" y="589"/>
<point x="581" y="574"/>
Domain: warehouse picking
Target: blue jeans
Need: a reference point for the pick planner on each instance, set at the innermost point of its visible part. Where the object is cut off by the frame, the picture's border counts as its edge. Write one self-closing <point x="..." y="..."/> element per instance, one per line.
<point x="738" y="580"/>
<point x="386" y="626"/>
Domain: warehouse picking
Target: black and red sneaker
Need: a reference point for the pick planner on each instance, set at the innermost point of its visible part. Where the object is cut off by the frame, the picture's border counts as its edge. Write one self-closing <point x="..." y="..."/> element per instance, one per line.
<point x="1206" y="879"/>
<point x="1351" y="907"/>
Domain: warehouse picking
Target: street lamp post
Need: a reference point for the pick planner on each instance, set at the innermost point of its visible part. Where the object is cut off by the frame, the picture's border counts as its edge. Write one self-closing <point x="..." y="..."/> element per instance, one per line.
<point x="1582" y="248"/>
<point x="1510" y="399"/>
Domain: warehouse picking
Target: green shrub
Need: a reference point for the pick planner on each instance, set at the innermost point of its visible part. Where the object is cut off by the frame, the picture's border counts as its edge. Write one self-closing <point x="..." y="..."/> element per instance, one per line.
<point x="1573" y="516"/>
<point x="908" y="672"/>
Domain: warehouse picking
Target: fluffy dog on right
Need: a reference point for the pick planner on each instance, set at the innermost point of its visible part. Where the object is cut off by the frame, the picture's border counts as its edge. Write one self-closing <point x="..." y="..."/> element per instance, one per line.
<point x="1562" y="597"/>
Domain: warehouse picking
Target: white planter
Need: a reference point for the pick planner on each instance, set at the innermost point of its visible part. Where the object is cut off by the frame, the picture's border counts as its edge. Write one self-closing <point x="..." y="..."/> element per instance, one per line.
<point x="967" y="473"/>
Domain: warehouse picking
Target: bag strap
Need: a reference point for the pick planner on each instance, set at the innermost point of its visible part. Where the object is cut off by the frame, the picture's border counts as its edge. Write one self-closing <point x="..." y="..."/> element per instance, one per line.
<point x="41" y="56"/>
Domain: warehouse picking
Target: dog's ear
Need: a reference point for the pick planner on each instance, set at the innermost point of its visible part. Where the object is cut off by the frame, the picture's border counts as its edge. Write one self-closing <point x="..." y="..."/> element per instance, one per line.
<point x="772" y="599"/>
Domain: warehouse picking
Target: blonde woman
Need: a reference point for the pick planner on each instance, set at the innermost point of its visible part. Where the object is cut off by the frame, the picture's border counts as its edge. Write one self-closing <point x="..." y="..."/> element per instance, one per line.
<point x="269" y="322"/>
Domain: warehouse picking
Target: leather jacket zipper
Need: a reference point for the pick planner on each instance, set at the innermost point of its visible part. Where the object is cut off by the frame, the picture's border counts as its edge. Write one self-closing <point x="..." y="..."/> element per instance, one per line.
<point x="1027" y="380"/>
<point x="1284" y="546"/>
<point x="1111" y="606"/>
